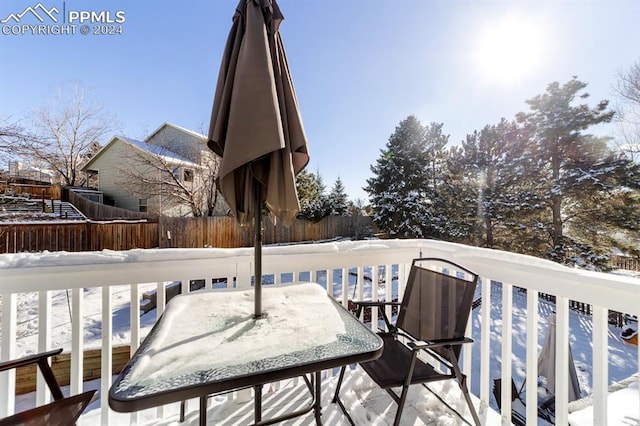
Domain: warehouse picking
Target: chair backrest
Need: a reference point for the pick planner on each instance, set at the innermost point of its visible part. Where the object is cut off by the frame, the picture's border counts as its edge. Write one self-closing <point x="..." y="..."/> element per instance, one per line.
<point x="436" y="305"/>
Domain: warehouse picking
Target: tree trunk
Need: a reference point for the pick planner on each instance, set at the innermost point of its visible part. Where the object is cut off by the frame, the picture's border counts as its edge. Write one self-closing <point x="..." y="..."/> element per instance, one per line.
<point x="488" y="231"/>
<point x="556" y="198"/>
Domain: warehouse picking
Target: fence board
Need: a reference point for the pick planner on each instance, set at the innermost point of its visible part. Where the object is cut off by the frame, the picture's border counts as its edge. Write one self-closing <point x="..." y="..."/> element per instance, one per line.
<point x="73" y="237"/>
<point x="225" y="231"/>
<point x="97" y="211"/>
<point x="626" y="262"/>
<point x="191" y="232"/>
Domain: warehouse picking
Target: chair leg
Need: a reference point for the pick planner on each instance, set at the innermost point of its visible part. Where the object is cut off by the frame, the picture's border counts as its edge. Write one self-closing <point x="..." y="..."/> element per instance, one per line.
<point x="403" y="398"/>
<point x="405" y="388"/>
<point x="467" y="397"/>
<point x="462" y="382"/>
<point x="336" y="397"/>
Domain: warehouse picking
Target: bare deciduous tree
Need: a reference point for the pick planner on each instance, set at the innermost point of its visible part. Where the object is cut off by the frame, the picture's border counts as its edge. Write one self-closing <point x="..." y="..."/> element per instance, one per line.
<point x="64" y="131"/>
<point x="185" y="179"/>
<point x="627" y="88"/>
<point x="10" y="134"/>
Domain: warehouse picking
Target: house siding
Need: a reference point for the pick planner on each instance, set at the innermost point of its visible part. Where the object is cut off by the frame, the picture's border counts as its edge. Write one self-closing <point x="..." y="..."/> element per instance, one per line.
<point x="108" y="166"/>
<point x="179" y="141"/>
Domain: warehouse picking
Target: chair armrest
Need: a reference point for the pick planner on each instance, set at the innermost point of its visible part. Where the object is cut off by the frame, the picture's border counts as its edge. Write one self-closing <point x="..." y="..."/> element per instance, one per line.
<point x="45" y="369"/>
<point x="360" y="305"/>
<point x="28" y="360"/>
<point x="438" y="343"/>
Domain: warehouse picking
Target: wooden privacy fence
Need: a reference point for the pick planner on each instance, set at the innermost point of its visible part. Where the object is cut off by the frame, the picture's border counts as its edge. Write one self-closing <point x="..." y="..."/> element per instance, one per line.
<point x="97" y="211"/>
<point x="34" y="190"/>
<point x="226" y="233"/>
<point x="83" y="236"/>
<point x="626" y="262"/>
<point x="167" y="232"/>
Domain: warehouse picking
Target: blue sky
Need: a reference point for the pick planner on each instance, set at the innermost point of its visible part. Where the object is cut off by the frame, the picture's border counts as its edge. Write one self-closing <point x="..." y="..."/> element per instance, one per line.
<point x="359" y="67"/>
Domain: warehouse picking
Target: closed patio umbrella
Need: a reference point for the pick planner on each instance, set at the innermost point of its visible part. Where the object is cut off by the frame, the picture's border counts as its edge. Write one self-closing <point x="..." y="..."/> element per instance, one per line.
<point x="256" y="126"/>
<point x="547" y="362"/>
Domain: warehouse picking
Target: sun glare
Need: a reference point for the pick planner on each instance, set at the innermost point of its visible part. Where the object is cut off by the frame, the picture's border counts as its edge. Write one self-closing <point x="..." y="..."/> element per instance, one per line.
<point x="509" y="50"/>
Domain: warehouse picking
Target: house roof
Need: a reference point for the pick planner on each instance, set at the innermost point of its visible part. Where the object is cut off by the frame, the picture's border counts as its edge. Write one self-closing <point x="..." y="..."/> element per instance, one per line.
<point x="182" y="129"/>
<point x="159" y="151"/>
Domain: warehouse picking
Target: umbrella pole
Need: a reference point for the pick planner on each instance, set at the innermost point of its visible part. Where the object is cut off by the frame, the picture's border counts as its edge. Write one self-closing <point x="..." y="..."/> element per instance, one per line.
<point x="257" y="251"/>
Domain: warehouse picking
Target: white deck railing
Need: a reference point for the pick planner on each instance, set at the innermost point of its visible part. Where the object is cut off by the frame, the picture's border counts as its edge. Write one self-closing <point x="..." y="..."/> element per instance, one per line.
<point x="47" y="272"/>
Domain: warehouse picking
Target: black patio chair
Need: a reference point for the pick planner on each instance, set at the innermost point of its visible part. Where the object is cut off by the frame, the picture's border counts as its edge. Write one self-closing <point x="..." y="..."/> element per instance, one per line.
<point x="432" y="320"/>
<point x="62" y="411"/>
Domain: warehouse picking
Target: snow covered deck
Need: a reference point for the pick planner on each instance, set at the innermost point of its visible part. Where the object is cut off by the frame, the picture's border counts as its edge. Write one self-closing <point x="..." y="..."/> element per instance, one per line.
<point x="367" y="405"/>
<point x="83" y="300"/>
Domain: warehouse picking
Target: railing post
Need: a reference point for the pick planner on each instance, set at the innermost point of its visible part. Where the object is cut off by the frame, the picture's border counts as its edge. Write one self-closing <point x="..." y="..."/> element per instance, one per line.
<point x="562" y="360"/>
<point x="345" y="287"/>
<point x="388" y="296"/>
<point x="134" y="312"/>
<point x="532" y="358"/>
<point x="374" y="297"/>
<point x="507" y="330"/>
<point x="77" y="340"/>
<point x="8" y="378"/>
<point x="330" y="273"/>
<point x="360" y="286"/>
<point x="161" y="301"/>
<point x="106" y="367"/>
<point x="243" y="276"/>
<point x="43" y="395"/>
<point x="402" y="279"/>
<point x="161" y="298"/>
<point x="600" y="365"/>
<point x="485" y="342"/>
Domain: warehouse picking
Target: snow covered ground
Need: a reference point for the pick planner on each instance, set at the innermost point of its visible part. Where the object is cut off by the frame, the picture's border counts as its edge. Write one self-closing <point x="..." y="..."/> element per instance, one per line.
<point x="373" y="408"/>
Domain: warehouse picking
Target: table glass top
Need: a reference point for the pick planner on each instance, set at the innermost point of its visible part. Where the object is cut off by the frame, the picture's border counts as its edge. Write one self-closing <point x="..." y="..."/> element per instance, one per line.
<point x="211" y="337"/>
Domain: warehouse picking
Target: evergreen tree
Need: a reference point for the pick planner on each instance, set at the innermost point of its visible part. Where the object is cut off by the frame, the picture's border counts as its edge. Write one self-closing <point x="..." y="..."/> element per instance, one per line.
<point x="460" y="199"/>
<point x="397" y="189"/>
<point x="485" y="166"/>
<point x="313" y="202"/>
<point x="437" y="221"/>
<point x="609" y="201"/>
<point x="575" y="168"/>
<point x="337" y="200"/>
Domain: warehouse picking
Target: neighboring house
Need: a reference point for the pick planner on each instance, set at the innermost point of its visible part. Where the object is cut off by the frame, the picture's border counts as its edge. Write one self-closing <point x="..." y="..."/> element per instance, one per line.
<point x="170" y="173"/>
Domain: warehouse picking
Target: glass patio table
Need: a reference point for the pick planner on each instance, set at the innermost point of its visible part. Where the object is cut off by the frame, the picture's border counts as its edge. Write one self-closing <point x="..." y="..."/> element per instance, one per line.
<point x="209" y="342"/>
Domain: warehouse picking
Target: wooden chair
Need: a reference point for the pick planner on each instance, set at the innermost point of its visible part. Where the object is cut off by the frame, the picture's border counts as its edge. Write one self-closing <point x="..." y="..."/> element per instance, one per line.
<point x="62" y="411"/>
<point x="432" y="320"/>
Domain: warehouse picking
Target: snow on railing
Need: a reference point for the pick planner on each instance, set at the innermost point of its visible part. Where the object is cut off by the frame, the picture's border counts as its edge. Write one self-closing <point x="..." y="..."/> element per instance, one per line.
<point x="379" y="267"/>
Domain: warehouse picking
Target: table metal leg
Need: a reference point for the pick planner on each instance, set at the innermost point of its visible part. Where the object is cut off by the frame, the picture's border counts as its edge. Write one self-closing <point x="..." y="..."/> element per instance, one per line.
<point x="318" y="402"/>
<point x="203" y="410"/>
<point x="257" y="411"/>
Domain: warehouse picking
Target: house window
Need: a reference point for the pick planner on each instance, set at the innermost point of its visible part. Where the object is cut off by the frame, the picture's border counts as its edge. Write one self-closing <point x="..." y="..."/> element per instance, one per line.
<point x="188" y="175"/>
<point x="142" y="203"/>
